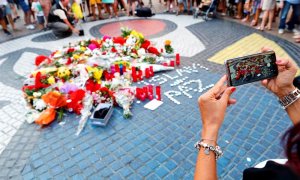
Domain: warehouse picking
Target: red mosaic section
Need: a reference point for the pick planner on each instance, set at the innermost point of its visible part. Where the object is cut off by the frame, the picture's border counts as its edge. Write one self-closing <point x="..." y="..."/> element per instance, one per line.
<point x="147" y="27"/>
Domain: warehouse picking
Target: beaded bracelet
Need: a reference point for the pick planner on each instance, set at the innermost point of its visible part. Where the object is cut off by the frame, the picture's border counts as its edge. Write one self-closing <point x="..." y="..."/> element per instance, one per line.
<point x="216" y="149"/>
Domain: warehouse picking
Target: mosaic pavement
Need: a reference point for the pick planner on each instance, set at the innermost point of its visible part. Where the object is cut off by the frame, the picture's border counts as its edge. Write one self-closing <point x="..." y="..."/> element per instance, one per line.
<point x="153" y="144"/>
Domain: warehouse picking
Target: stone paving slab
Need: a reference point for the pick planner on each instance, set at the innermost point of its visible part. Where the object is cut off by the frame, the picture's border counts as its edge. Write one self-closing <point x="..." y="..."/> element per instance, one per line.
<point x="156" y="145"/>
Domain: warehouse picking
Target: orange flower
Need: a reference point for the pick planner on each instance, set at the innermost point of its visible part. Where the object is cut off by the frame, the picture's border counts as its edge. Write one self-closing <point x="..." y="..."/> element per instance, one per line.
<point x="46" y="117"/>
<point x="167" y="43"/>
<point x="54" y="100"/>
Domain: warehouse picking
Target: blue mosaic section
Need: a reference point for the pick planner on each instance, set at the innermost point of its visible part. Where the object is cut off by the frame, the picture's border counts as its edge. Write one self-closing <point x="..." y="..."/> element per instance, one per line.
<point x="159" y="144"/>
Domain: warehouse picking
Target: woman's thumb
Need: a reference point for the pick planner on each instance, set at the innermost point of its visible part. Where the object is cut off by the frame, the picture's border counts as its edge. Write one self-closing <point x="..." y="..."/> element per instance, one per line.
<point x="227" y="93"/>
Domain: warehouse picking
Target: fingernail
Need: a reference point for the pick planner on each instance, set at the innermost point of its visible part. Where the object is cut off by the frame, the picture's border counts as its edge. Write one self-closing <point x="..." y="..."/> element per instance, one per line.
<point x="278" y="61"/>
<point x="233" y="89"/>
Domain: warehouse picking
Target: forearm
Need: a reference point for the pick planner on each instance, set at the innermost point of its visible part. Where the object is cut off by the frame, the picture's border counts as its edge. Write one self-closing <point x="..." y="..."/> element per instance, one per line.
<point x="68" y="24"/>
<point x="206" y="168"/>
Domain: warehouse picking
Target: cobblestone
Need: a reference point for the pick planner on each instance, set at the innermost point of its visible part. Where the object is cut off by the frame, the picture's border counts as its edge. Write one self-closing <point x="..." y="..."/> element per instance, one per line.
<point x="156" y="145"/>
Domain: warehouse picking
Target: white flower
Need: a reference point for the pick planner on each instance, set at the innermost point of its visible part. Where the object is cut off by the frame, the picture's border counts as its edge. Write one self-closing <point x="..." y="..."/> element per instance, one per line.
<point x="141" y="52"/>
<point x="31" y="116"/>
<point x="39" y="104"/>
<point x="37" y="94"/>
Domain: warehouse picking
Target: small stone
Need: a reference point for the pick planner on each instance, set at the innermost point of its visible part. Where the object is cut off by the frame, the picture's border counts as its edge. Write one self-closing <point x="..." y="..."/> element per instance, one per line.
<point x="248" y="159"/>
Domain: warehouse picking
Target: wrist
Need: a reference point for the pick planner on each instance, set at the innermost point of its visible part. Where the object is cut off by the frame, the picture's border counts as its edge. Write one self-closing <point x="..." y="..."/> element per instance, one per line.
<point x="285" y="91"/>
<point x="210" y="134"/>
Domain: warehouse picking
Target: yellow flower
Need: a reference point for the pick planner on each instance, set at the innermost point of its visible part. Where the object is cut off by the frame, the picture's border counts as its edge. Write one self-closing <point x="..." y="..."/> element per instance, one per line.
<point x="63" y="72"/>
<point x="98" y="74"/>
<point x="76" y="56"/>
<point x="51" y="80"/>
<point x="82" y="48"/>
<point x="167" y="43"/>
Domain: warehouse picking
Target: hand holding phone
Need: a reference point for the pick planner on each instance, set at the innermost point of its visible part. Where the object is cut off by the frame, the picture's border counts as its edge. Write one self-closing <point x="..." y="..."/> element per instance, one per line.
<point x="251" y="68"/>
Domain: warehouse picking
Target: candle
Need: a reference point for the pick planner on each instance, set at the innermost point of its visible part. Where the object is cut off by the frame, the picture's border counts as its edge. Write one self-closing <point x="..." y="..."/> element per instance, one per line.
<point x="117" y="68"/>
<point x="145" y="91"/>
<point x="177" y="59"/>
<point x="138" y="92"/>
<point x="150" y="92"/>
<point x="139" y="75"/>
<point x="134" y="76"/>
<point x="158" y="93"/>
<point x="172" y="63"/>
<point x="151" y="72"/>
<point x="147" y="73"/>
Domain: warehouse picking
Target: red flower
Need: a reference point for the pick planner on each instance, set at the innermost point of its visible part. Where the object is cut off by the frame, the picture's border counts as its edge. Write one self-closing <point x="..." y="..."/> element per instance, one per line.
<point x="92" y="86"/>
<point x="41" y="58"/>
<point x="119" y="40"/>
<point x="153" y="50"/>
<point x="38" y="81"/>
<point x="145" y="44"/>
<point x="69" y="61"/>
<point x="76" y="100"/>
<point x="113" y="49"/>
<point x="70" y="50"/>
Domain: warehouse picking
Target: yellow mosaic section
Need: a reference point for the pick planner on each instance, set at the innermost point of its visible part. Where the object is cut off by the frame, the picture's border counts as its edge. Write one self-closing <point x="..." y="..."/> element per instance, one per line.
<point x="248" y="45"/>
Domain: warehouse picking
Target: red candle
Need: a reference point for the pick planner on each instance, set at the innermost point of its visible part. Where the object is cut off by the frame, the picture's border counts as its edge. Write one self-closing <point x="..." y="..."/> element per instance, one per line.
<point x="124" y="68"/>
<point x="172" y="63"/>
<point x="177" y="59"/>
<point x="145" y="91"/>
<point x="158" y="95"/>
<point x="151" y="72"/>
<point x="150" y="92"/>
<point x="138" y="93"/>
<point x="134" y="76"/>
<point x="117" y="68"/>
<point x="139" y="75"/>
<point x="147" y="73"/>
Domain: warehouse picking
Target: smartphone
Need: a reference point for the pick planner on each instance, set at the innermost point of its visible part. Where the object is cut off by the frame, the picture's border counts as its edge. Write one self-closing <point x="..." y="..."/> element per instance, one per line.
<point x="251" y="68"/>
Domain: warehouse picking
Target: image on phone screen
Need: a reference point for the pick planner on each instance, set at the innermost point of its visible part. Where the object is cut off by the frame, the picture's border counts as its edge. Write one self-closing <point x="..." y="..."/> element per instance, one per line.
<point x="251" y="68"/>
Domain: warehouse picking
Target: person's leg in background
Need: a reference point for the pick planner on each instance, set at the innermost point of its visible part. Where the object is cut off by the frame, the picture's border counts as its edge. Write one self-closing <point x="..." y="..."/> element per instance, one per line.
<point x="99" y="7"/>
<point x="9" y="17"/>
<point x="295" y="18"/>
<point x="264" y="20"/>
<point x="270" y="20"/>
<point x="239" y="10"/>
<point x="93" y="8"/>
<point x="2" y="20"/>
<point x="115" y="8"/>
<point x="14" y="11"/>
<point x="284" y="12"/>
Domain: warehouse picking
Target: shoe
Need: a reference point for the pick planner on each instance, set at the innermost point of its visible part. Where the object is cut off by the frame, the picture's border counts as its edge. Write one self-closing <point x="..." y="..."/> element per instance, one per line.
<point x="6" y="32"/>
<point x="30" y="27"/>
<point x="280" y="31"/>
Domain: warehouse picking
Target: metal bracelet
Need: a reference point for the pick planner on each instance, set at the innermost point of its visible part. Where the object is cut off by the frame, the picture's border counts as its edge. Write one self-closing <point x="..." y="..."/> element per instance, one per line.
<point x="216" y="149"/>
<point x="290" y="98"/>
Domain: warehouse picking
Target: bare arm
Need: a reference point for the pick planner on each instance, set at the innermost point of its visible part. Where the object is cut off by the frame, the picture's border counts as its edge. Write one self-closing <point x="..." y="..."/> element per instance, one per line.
<point x="70" y="26"/>
<point x="215" y="100"/>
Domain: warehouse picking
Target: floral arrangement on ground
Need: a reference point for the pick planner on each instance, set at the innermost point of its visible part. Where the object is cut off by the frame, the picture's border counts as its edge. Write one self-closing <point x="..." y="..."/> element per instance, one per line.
<point x="79" y="77"/>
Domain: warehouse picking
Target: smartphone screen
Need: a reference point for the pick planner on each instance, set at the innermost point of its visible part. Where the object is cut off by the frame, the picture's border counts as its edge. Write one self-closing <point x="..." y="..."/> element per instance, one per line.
<point x="251" y="68"/>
